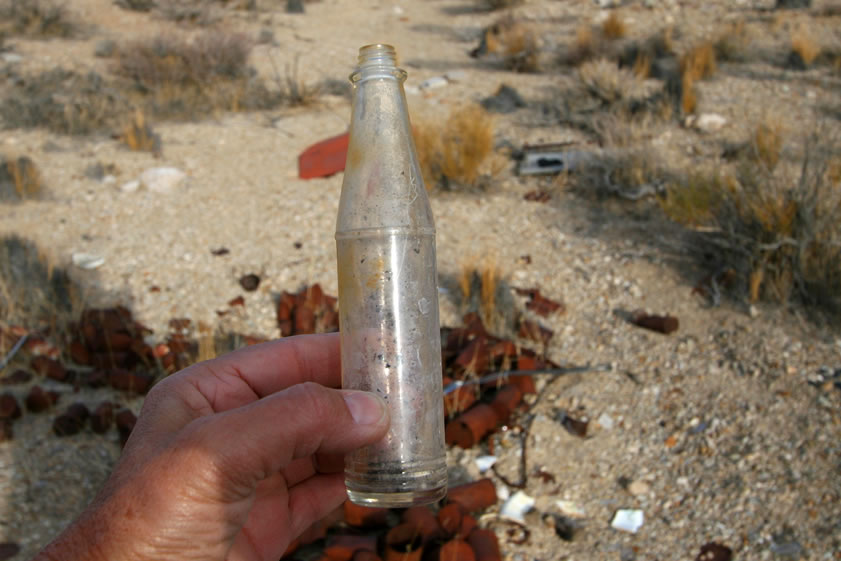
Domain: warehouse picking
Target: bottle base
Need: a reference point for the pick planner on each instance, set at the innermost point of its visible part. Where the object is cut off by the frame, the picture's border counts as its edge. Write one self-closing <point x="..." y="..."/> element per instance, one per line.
<point x="401" y="499"/>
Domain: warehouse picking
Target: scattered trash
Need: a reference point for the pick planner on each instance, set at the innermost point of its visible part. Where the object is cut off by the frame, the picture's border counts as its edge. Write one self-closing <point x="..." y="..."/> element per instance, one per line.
<point x="87" y="261"/>
<point x="9" y="408"/>
<point x="433" y="83"/>
<point x="550" y="159"/>
<point x="456" y="76"/>
<point x="533" y="331"/>
<point x="706" y="122"/>
<point x="71" y="421"/>
<point x="484" y="463"/>
<point x="249" y="282"/>
<point x="628" y="520"/>
<point x="661" y="324"/>
<point x="220" y="251"/>
<point x="38" y="400"/>
<point x="539" y="304"/>
<point x="473" y="496"/>
<point x="505" y="100"/>
<point x="238" y="301"/>
<point x="714" y="552"/>
<point x="538" y="196"/>
<point x="162" y="180"/>
<point x="485" y="545"/>
<point x="102" y="417"/>
<point x="324" y="158"/>
<point x="8" y="550"/>
<point x="516" y="506"/>
<point x="605" y="421"/>
<point x="571" y="508"/>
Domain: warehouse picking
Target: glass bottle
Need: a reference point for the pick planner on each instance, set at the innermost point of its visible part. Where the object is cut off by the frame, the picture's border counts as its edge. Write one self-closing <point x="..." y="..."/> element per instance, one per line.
<point x="388" y="295"/>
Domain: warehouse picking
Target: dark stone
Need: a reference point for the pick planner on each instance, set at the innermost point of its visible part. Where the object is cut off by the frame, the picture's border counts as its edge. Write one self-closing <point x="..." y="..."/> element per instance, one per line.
<point x="16" y="377"/>
<point x="249" y="282"/>
<point x="9" y="408"/>
<point x="102" y="417"/>
<point x="505" y="100"/>
<point x="294" y="6"/>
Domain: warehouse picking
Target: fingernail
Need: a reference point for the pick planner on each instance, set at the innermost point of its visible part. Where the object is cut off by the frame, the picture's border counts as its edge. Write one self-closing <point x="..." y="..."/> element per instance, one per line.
<point x="365" y="408"/>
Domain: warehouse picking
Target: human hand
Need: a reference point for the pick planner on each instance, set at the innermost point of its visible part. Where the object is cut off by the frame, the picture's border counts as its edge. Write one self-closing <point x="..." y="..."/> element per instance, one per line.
<point x="230" y="459"/>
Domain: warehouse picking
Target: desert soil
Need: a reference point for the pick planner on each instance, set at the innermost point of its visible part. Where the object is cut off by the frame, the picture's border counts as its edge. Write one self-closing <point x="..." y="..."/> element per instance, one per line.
<point x="714" y="432"/>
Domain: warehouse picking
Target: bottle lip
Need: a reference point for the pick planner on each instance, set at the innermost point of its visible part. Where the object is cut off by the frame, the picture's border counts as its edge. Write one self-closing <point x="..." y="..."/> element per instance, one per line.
<point x="377" y="60"/>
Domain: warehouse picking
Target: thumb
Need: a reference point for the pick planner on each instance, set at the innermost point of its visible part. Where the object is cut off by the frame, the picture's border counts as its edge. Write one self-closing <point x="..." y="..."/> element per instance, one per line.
<point x="255" y="441"/>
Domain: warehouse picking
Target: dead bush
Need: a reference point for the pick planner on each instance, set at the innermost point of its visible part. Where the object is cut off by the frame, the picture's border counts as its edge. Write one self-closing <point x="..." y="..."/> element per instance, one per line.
<point x="781" y="230"/>
<point x="606" y="81"/>
<point x="176" y="77"/>
<point x="457" y="154"/>
<point x="293" y="90"/>
<point x="613" y="27"/>
<point x="767" y="144"/>
<point x="483" y="290"/>
<point x="804" y="50"/>
<point x="33" y="292"/>
<point x="733" y="43"/>
<point x="699" y="63"/>
<point x="63" y="102"/>
<point x="35" y="18"/>
<point x="630" y="174"/>
<point x="514" y="42"/>
<point x="20" y="179"/>
<point x="139" y="136"/>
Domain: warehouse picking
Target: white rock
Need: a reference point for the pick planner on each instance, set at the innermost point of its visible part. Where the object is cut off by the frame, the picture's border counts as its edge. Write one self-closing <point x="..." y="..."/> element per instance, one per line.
<point x="606" y="421"/>
<point x="109" y="180"/>
<point x="11" y="58"/>
<point x="639" y="487"/>
<point x="456" y="76"/>
<point x="709" y="122"/>
<point x="434" y="82"/>
<point x="628" y="520"/>
<point x="130" y="187"/>
<point x="413" y="90"/>
<point x="484" y="463"/>
<point x="87" y="261"/>
<point x="571" y="508"/>
<point x="516" y="506"/>
<point x="162" y="180"/>
<point x="502" y="492"/>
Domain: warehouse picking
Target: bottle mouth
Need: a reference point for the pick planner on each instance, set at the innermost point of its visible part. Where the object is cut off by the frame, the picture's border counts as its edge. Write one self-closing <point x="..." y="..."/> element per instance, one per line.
<point x="377" y="61"/>
<point x="377" y="54"/>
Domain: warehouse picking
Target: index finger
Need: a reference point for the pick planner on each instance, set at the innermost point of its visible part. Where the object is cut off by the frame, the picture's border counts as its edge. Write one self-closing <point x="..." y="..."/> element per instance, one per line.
<point x="248" y="374"/>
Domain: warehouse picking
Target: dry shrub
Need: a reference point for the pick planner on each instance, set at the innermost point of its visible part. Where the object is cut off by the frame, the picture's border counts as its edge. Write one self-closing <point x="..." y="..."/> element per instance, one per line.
<point x="693" y="201"/>
<point x="688" y="95"/>
<point x="458" y="153"/>
<point x="139" y="136"/>
<point x="62" y="102"/>
<point x="804" y="47"/>
<point x="629" y="173"/>
<point x="514" y="41"/>
<point x="176" y="77"/>
<point x="35" y="18"/>
<point x="500" y="4"/>
<point x="607" y="82"/>
<point x="20" y="179"/>
<point x="699" y="62"/>
<point x="483" y="290"/>
<point x="194" y="12"/>
<point x="293" y="89"/>
<point x="781" y="230"/>
<point x="642" y="66"/>
<point x="613" y="27"/>
<point x="33" y="292"/>
<point x="767" y="144"/>
<point x="732" y="44"/>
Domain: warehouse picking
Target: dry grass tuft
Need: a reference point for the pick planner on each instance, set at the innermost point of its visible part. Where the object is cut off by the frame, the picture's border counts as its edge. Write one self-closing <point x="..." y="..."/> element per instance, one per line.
<point x="63" y="102"/>
<point x="516" y="42"/>
<point x="20" y="179"/>
<point x="457" y="154"/>
<point x="613" y="27"/>
<point x="176" y="77"/>
<point x="693" y="201"/>
<point x="33" y="292"/>
<point x="688" y="95"/>
<point x="139" y="136"/>
<point x="732" y="44"/>
<point x="804" y="47"/>
<point x="293" y="90"/>
<point x="629" y="173"/>
<point x="767" y="144"/>
<point x="778" y="228"/>
<point x="699" y="62"/>
<point x="483" y="290"/>
<point x="35" y="18"/>
<point x="607" y="82"/>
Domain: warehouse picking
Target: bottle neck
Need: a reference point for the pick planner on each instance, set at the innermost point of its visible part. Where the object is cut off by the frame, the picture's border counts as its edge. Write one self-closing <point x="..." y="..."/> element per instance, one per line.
<point x="377" y="61"/>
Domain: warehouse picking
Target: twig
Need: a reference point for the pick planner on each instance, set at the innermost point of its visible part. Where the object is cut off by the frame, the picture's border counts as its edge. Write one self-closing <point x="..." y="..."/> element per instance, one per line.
<point x="14" y="351"/>
<point x="449" y="388"/>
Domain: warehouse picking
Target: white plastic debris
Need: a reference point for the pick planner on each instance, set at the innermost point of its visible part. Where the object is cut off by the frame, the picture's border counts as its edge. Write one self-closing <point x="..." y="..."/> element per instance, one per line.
<point x="516" y="506"/>
<point x="706" y="122"/>
<point x="502" y="492"/>
<point x="434" y="82"/>
<point x="628" y="520"/>
<point x="605" y="421"/>
<point x="130" y="186"/>
<point x="162" y="180"/>
<point x="484" y="463"/>
<point x="87" y="261"/>
<point x="456" y="76"/>
<point x="571" y="509"/>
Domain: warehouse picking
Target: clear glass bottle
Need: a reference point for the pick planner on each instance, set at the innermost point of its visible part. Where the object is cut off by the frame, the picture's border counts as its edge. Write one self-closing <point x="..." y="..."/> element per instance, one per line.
<point x="388" y="295"/>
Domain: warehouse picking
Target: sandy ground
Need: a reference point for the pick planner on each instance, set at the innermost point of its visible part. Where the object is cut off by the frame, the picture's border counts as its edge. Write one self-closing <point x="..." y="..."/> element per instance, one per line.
<point x="714" y="432"/>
